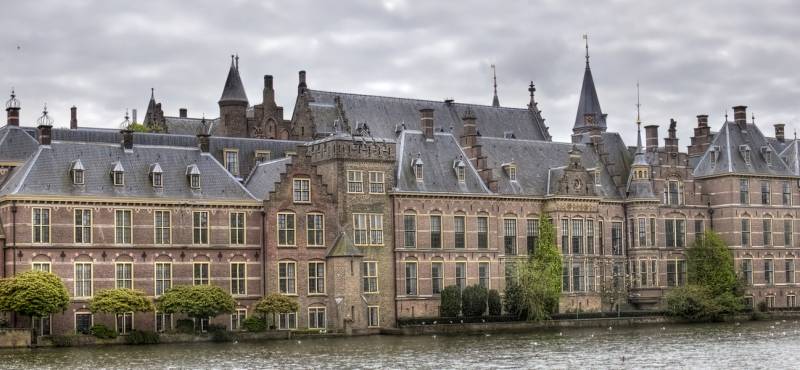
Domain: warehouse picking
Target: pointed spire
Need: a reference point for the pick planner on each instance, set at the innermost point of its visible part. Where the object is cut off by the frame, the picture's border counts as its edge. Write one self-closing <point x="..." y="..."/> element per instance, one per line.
<point x="589" y="116"/>
<point x="152" y="94"/>
<point x="233" y="92"/>
<point x="586" y="40"/>
<point x="532" y="90"/>
<point x="495" y="100"/>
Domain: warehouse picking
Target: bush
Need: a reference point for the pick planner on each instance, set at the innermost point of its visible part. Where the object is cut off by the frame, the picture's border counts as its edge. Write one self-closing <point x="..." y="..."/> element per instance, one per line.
<point x="142" y="337"/>
<point x="450" y="302"/>
<point x="495" y="306"/>
<point x="697" y="303"/>
<point x="101" y="331"/>
<point x="185" y="326"/>
<point x="63" y="340"/>
<point x="513" y="302"/>
<point x="473" y="301"/>
<point x="254" y="324"/>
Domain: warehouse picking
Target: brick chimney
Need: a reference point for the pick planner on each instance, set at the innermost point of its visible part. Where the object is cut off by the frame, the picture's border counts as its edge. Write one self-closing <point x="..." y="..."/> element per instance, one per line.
<point x="651" y="137"/>
<point x="127" y="139"/>
<point x="73" y="118"/>
<point x="183" y="112"/>
<point x="204" y="142"/>
<point x="301" y="85"/>
<point x="740" y="116"/>
<point x="45" y="134"/>
<point x="779" y="131"/>
<point x="671" y="141"/>
<point x="12" y="110"/>
<point x="702" y="137"/>
<point x="133" y="116"/>
<point x="269" y="92"/>
<point x="426" y="122"/>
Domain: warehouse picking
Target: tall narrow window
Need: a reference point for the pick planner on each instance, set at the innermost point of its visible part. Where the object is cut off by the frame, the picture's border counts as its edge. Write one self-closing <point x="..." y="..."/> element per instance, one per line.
<point x="83" y="280"/>
<point x="616" y="238"/>
<point x="673" y="193"/>
<point x="316" y="318"/>
<point x="601" y="239"/>
<point x="681" y="273"/>
<point x="533" y="235"/>
<point x="654" y="272"/>
<point x="787" y="232"/>
<point x="201" y="273"/>
<point x="436" y="231"/>
<point x="769" y="271"/>
<point x="787" y="194"/>
<point x="163" y="277"/>
<point x="680" y="233"/>
<point x="652" y="231"/>
<point x="163" y="322"/>
<point x="744" y="191"/>
<point x="238" y="278"/>
<point x="409" y="231"/>
<point x="461" y="275"/>
<point x="671" y="273"/>
<point x="237" y="319"/>
<point x="200" y="227"/>
<point x="577" y="278"/>
<point x="83" y="226"/>
<point x="316" y="278"/>
<point x="483" y="232"/>
<point x="745" y="232"/>
<point x="360" y="229"/>
<point x="643" y="273"/>
<point x="766" y="231"/>
<point x="642" y="232"/>
<point x="565" y="236"/>
<point x="301" y="190"/>
<point x="747" y="270"/>
<point x="565" y="277"/>
<point x="123" y="275"/>
<point x="315" y="230"/>
<point x="355" y="181"/>
<point x="459" y="232"/>
<point x="483" y="274"/>
<point x="41" y="225"/>
<point x="287" y="277"/>
<point x="789" y="268"/>
<point x="577" y="236"/>
<point x="437" y="277"/>
<point x="122" y="226"/>
<point x="232" y="161"/>
<point x="510" y="236"/>
<point x="590" y="236"/>
<point x="765" y="193"/>
<point x="369" y="274"/>
<point x="237" y="226"/>
<point x="669" y="229"/>
<point x="373" y="316"/>
<point x="125" y="322"/>
<point x="162" y="227"/>
<point x="411" y="278"/>
<point x="375" y="229"/>
<point x="698" y="230"/>
<point x="376" y="182"/>
<point x="286" y="230"/>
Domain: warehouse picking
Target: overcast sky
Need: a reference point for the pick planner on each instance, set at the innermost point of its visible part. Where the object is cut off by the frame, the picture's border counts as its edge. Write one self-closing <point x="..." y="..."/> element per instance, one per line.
<point x="690" y="58"/>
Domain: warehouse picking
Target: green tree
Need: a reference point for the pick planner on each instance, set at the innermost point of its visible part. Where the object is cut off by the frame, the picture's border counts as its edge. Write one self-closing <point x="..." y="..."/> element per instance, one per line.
<point x="138" y="127"/>
<point x="33" y="294"/>
<point x="495" y="305"/>
<point x="473" y="301"/>
<point x="539" y="277"/>
<point x="196" y="301"/>
<point x="119" y="301"/>
<point x="450" y="305"/>
<point x="275" y="303"/>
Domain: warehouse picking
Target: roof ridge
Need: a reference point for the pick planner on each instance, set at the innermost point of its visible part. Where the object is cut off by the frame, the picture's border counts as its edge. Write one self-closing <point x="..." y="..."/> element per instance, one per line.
<point x="417" y="99"/>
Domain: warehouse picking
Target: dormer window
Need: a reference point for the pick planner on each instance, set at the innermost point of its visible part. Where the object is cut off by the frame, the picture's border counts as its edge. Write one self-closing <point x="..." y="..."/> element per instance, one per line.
<point x="766" y="152"/>
<point x="715" y="150"/>
<point x="744" y="149"/>
<point x="416" y="165"/>
<point x="509" y="135"/>
<point x="461" y="169"/>
<point x="77" y="172"/>
<point x="511" y="170"/>
<point x="118" y="174"/>
<point x="156" y="175"/>
<point x="193" y="173"/>
<point x="232" y="161"/>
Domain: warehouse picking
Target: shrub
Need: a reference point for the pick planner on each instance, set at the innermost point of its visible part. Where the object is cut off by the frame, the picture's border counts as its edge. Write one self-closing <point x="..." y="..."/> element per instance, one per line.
<point x="473" y="301"/>
<point x="495" y="307"/>
<point x="196" y="301"/>
<point x="101" y="331"/>
<point x="450" y="302"/>
<point x="63" y="340"/>
<point x="142" y="337"/>
<point x="697" y="303"/>
<point x="254" y="324"/>
<point x="513" y="301"/>
<point x="185" y="326"/>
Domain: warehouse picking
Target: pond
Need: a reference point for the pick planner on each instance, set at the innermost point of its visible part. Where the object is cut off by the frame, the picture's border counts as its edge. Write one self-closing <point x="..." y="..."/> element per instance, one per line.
<point x="751" y="345"/>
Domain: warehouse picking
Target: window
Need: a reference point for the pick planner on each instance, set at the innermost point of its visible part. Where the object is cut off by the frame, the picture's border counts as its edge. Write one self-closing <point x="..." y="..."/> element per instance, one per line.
<point x="41" y="266"/>
<point x="675" y="230"/>
<point x="510" y="236"/>
<point x="461" y="275"/>
<point x="654" y="272"/>
<point x="122" y="226"/>
<point x="77" y="177"/>
<point x="411" y="278"/>
<point x="373" y="316"/>
<point x="287" y="321"/>
<point x="42" y="326"/>
<point x="652" y="231"/>
<point x="643" y="273"/>
<point x="367" y="229"/>
<point x="565" y="236"/>
<point x="673" y="192"/>
<point x="436" y="231"/>
<point x="203" y="324"/>
<point x="200" y="227"/>
<point x="483" y="232"/>
<point x="747" y="270"/>
<point x="83" y="280"/>
<point x="376" y="229"/>
<point x="483" y="274"/>
<point x="770" y="301"/>
<point x="286" y="229"/>
<point x="512" y="173"/>
<point x="698" y="230"/>
<point x="769" y="271"/>
<point x="590" y="236"/>
<point x="459" y="232"/>
<point x="789" y="268"/>
<point x="262" y="156"/>
<point x="83" y="226"/>
<point x="418" y="170"/>
<point x="232" y="161"/>
<point x="745" y="232"/>
<point x="565" y="277"/>
<point x="41" y="225"/>
<point x="315" y="230"/>
<point x="316" y="278"/>
<point x="533" y="235"/>
<point x="118" y="177"/>
<point x="642" y="232"/>
<point x="676" y="273"/>
<point x="163" y="277"/>
<point x="194" y="181"/>
<point x="123" y="275"/>
<point x="236" y="224"/>
<point x="577" y="278"/>
<point x="301" y="190"/>
<point x="766" y="231"/>
<point x="577" y="236"/>
<point x="744" y="191"/>
<point x="369" y="275"/>
<point x="200" y="273"/>
<point x="437" y="277"/>
<point x="791" y="300"/>
<point x="83" y="323"/>
<point x="461" y="172"/>
<point x="287" y="277"/>
<point x="158" y="180"/>
<point x="409" y="231"/>
<point x="125" y="322"/>
<point x="355" y="181"/>
<point x="238" y="278"/>
<point x="376" y="184"/>
<point x="616" y="238"/>
<point x="601" y="240"/>
<point x="765" y="194"/>
<point x="316" y="317"/>
<point x="787" y="194"/>
<point x="787" y="232"/>
<point x="162" y="230"/>
<point x="237" y="319"/>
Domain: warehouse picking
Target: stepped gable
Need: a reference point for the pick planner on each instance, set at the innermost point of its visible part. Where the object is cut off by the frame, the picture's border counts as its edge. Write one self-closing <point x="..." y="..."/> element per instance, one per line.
<point x="262" y="180"/>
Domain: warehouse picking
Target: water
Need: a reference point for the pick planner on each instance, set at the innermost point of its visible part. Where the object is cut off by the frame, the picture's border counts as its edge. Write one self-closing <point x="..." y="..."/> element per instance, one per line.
<point x="750" y="345"/>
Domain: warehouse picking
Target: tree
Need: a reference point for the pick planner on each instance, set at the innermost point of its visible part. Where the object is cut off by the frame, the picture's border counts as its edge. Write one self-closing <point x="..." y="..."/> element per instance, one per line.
<point x="539" y="277"/>
<point x="138" y="127"/>
<point x="276" y="303"/>
<point x="119" y="301"/>
<point x="473" y="301"/>
<point x="495" y="306"/>
<point x="33" y="294"/>
<point x="196" y="301"/>
<point x="450" y="305"/>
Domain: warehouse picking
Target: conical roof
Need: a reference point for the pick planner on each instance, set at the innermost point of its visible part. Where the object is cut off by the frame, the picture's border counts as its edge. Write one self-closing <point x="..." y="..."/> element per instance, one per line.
<point x="233" y="92"/>
<point x="589" y="104"/>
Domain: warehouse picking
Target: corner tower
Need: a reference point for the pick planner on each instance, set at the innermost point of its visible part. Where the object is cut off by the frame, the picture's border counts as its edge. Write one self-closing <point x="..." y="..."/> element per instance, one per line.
<point x="233" y="104"/>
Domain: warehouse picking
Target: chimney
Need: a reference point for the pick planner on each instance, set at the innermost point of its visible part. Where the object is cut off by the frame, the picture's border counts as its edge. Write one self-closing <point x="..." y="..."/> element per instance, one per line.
<point x="702" y="120"/>
<point x="133" y="116"/>
<point x="426" y="122"/>
<point x="45" y="134"/>
<point x="183" y="113"/>
<point x="127" y="139"/>
<point x="779" y="132"/>
<point x="12" y="110"/>
<point x="269" y="91"/>
<point x="701" y="138"/>
<point x="73" y="118"/>
<point x="469" y="136"/>
<point x="204" y="142"/>
<point x="671" y="141"/>
<point x="740" y="116"/>
<point x="651" y="137"/>
<point x="301" y="86"/>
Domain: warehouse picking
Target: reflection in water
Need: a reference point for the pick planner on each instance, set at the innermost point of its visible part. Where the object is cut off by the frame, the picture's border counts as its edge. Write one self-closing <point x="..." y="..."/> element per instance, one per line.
<point x="772" y="344"/>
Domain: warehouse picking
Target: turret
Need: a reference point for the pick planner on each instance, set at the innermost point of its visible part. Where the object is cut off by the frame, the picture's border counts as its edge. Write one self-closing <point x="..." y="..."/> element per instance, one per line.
<point x="233" y="104"/>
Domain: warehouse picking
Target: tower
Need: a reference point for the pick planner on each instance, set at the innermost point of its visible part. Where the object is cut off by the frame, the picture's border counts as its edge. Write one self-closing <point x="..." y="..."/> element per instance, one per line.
<point x="233" y="104"/>
<point x="495" y="100"/>
<point x="590" y="116"/>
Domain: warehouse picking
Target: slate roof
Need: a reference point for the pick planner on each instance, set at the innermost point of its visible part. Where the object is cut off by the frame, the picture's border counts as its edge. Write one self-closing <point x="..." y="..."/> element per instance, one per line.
<point x="589" y="103"/>
<point x="539" y="165"/>
<point x="730" y="160"/>
<point x="189" y="126"/>
<point x="778" y="144"/>
<point x="385" y="114"/>
<point x="438" y="157"/>
<point x="343" y="247"/>
<point x="618" y="153"/>
<point x="233" y="90"/>
<point x="48" y="173"/>
<point x="791" y="156"/>
<point x="16" y="145"/>
<point x="264" y="176"/>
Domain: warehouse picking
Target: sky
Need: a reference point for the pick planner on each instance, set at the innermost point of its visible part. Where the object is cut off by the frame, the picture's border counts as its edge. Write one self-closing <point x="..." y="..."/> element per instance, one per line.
<point x="689" y="57"/>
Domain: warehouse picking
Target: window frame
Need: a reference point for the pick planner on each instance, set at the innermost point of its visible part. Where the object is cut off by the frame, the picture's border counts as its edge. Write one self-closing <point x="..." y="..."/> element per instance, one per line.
<point x="165" y="281"/>
<point x="318" y="280"/>
<point x="315" y="237"/>
<point x="369" y="277"/>
<point x="201" y="279"/>
<point x="301" y="194"/>
<point x="123" y="282"/>
<point x="287" y="281"/>
<point x="409" y="234"/>
<point x="159" y="229"/>
<point x="238" y="277"/>
<point x="317" y="311"/>
<point x="127" y="238"/>
<point x="377" y="187"/>
<point x="411" y="290"/>
<point x="201" y="232"/>
<point x="287" y="231"/>
<point x="83" y="228"/>
<point x="38" y="235"/>
<point x="75" y="280"/>
<point x="237" y="228"/>
<point x="355" y="182"/>
<point x="437" y="280"/>
<point x="231" y="165"/>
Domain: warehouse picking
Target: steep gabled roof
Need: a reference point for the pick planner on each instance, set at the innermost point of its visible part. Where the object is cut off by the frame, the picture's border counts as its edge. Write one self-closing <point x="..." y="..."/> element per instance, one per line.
<point x="343" y="247"/>
<point x="730" y="159"/>
<point x="16" y="145"/>
<point x="589" y="103"/>
<point x="264" y="176"/>
<point x="791" y="156"/>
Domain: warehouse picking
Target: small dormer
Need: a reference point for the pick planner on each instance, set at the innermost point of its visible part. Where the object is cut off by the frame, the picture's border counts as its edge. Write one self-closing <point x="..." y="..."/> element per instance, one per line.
<point x="766" y="153"/>
<point x="510" y="169"/>
<point x="509" y="135"/>
<point x="744" y="150"/>
<point x="156" y="175"/>
<point x="714" y="154"/>
<point x="77" y="172"/>
<point x="118" y="174"/>
<point x="461" y="169"/>
<point x="193" y="175"/>
<point x="416" y="165"/>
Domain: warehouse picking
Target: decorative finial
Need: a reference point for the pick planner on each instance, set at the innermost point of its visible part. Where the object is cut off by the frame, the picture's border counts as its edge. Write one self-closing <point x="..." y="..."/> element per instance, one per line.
<point x="638" y="106"/>
<point x="45" y="119"/>
<point x="495" y="100"/>
<point x="586" y="41"/>
<point x="152" y="93"/>
<point x="237" y="61"/>
<point x="12" y="103"/>
<point x="753" y="117"/>
<point x="795" y="134"/>
<point x="125" y="125"/>
<point x="726" y="115"/>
